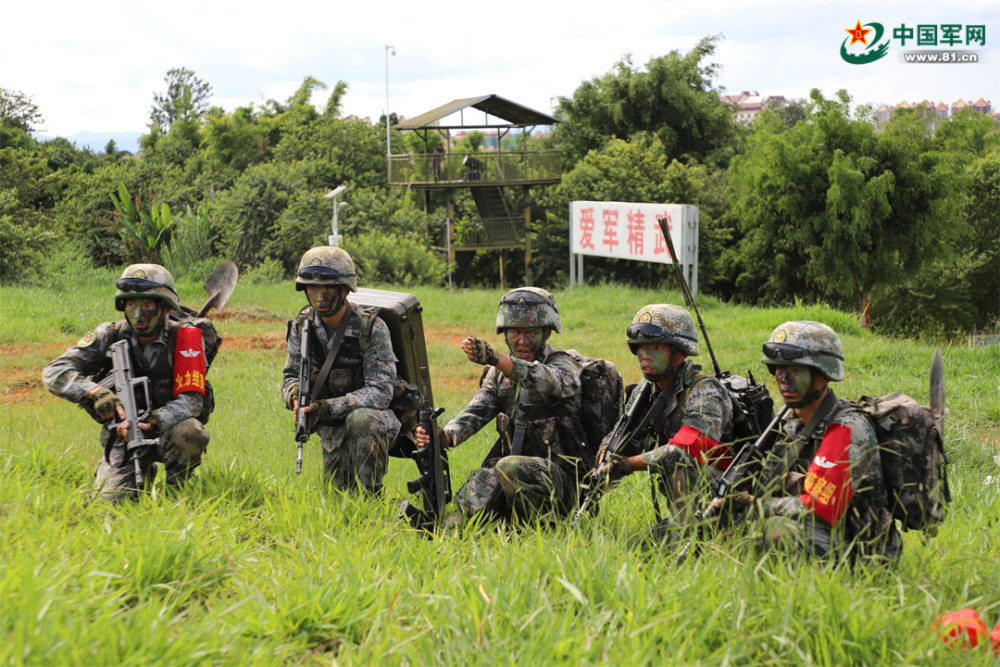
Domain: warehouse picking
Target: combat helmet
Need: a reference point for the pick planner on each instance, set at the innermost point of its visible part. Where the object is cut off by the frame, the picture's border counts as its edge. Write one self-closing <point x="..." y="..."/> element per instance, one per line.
<point x="146" y="281"/>
<point x="808" y="344"/>
<point x="326" y="265"/>
<point x="663" y="323"/>
<point x="528" y="308"/>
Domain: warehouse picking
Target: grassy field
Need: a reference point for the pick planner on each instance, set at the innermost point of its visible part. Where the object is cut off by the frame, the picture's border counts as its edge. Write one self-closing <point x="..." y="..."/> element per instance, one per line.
<point x="252" y="565"/>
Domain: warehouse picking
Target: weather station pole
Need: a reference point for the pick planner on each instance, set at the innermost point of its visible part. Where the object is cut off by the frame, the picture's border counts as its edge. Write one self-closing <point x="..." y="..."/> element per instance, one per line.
<point x="390" y="50"/>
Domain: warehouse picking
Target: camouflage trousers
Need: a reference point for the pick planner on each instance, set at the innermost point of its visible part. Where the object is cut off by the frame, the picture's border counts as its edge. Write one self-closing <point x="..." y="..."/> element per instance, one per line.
<point x="356" y="451"/>
<point x="684" y="483"/>
<point x="525" y="487"/>
<point x="180" y="450"/>
<point x="811" y="536"/>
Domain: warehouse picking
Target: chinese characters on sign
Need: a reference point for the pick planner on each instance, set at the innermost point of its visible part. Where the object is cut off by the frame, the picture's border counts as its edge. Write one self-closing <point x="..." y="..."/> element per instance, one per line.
<point x="628" y="230"/>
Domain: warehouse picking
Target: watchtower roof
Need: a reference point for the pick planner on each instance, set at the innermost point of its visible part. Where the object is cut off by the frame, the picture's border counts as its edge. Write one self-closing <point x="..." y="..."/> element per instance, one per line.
<point x="513" y="114"/>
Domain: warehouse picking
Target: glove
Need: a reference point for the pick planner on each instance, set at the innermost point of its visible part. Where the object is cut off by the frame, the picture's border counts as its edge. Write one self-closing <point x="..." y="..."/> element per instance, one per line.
<point x="483" y="352"/>
<point x="105" y="403"/>
<point x="291" y="395"/>
<point x="328" y="410"/>
<point x="617" y="467"/>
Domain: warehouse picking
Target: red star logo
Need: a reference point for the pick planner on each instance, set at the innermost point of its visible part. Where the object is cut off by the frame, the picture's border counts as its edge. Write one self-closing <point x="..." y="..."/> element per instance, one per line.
<point x="858" y="34"/>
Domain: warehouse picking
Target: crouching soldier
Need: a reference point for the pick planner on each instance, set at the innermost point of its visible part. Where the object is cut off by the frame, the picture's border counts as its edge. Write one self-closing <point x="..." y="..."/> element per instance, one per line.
<point x="353" y="373"/>
<point x="823" y="492"/>
<point x="686" y="414"/>
<point x="533" y="392"/>
<point x="172" y="350"/>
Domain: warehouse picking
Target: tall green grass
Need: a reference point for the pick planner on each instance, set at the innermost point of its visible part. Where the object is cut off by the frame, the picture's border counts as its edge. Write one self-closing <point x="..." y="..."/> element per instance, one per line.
<point x="251" y="564"/>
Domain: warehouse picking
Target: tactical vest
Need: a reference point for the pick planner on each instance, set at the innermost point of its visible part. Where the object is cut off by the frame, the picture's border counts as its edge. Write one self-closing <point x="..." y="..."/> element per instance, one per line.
<point x="666" y="425"/>
<point x="553" y="431"/>
<point x="161" y="372"/>
<point x="347" y="373"/>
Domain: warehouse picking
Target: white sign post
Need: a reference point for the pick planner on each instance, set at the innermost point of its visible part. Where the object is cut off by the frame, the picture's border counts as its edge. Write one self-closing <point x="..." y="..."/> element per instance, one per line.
<point x="628" y="230"/>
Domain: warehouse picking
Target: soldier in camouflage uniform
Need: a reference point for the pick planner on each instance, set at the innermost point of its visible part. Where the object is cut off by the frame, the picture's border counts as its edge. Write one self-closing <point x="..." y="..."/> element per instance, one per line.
<point x="163" y="338"/>
<point x="823" y="491"/>
<point x="350" y="407"/>
<point x="691" y="411"/>
<point x="533" y="471"/>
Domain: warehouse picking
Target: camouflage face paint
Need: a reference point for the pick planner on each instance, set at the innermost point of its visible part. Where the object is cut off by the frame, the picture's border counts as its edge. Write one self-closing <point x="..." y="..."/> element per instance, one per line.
<point x="524" y="343"/>
<point x="144" y="315"/>
<point x="794" y="382"/>
<point x="326" y="301"/>
<point x="656" y="360"/>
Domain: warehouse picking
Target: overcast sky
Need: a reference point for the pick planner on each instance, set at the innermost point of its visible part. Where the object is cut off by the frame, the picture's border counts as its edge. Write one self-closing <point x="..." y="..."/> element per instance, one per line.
<point x="95" y="65"/>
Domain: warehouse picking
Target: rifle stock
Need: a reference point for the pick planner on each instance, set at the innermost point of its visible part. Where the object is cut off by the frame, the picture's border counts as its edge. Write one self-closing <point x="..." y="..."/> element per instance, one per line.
<point x="125" y="388"/>
<point x="302" y="424"/>
<point x="619" y="438"/>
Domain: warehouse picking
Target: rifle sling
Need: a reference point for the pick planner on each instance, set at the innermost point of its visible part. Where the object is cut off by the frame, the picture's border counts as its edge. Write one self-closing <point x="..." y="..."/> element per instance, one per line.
<point x="827" y="410"/>
<point x="520" y="422"/>
<point x="332" y="348"/>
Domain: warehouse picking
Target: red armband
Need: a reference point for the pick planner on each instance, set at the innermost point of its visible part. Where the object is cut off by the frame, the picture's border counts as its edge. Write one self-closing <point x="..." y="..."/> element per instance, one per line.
<point x="189" y="361"/>
<point x="828" y="481"/>
<point x="702" y="448"/>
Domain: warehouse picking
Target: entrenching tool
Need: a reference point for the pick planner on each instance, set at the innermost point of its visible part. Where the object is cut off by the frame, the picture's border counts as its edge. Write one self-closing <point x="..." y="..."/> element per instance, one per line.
<point x="220" y="286"/>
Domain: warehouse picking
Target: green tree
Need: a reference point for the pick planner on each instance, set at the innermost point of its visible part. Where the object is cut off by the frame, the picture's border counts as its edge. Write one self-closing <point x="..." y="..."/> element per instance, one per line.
<point x="638" y="170"/>
<point x="672" y="98"/>
<point x="186" y="98"/>
<point x="17" y="111"/>
<point x="828" y="209"/>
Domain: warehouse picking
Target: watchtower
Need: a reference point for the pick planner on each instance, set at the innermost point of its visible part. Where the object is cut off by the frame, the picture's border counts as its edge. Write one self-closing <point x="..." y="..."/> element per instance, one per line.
<point x="490" y="174"/>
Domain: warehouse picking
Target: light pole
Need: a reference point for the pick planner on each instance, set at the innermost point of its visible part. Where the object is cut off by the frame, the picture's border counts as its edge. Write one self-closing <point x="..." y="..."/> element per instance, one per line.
<point x="390" y="50"/>
<point x="334" y="238"/>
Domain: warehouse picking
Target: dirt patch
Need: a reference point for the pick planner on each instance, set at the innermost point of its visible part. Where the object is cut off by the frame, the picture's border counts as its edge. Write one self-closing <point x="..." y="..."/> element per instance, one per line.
<point x="446" y="335"/>
<point x="47" y="350"/>
<point x="270" y="341"/>
<point x="247" y="314"/>
<point x="21" y="386"/>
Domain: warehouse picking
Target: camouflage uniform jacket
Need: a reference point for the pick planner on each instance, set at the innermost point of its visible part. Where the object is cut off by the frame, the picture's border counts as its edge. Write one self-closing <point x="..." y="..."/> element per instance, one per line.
<point x="74" y="374"/>
<point x="358" y="378"/>
<point x="701" y="403"/>
<point x="552" y="410"/>
<point x="867" y="524"/>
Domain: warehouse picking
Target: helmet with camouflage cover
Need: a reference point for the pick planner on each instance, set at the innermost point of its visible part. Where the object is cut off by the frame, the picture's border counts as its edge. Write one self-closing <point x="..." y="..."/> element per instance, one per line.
<point x="528" y="308"/>
<point x="326" y="265"/>
<point x="807" y="344"/>
<point x="146" y="281"/>
<point x="663" y="323"/>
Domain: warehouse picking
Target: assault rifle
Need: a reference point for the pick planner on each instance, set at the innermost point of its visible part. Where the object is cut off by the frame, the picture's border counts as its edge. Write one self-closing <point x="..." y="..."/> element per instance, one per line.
<point x="627" y="426"/>
<point x="434" y="483"/>
<point x="305" y="392"/>
<point x="125" y="389"/>
<point x="740" y="473"/>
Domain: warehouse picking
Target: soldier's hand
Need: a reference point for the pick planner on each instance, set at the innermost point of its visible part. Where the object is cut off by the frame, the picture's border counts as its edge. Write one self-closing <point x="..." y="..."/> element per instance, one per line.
<point x="481" y="351"/>
<point x="292" y="397"/>
<point x="106" y="404"/>
<point x="737" y="501"/>
<point x="616" y="467"/>
<point x="423" y="438"/>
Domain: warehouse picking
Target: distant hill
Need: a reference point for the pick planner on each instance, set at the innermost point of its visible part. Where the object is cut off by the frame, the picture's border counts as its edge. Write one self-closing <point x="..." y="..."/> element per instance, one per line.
<point x="96" y="141"/>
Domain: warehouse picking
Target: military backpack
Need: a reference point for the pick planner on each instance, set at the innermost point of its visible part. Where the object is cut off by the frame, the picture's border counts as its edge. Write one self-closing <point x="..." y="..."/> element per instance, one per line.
<point x="914" y="463"/>
<point x="602" y="396"/>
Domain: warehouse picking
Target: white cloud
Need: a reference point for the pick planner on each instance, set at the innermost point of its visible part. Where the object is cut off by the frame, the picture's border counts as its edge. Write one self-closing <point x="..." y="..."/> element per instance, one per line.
<point x="95" y="65"/>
